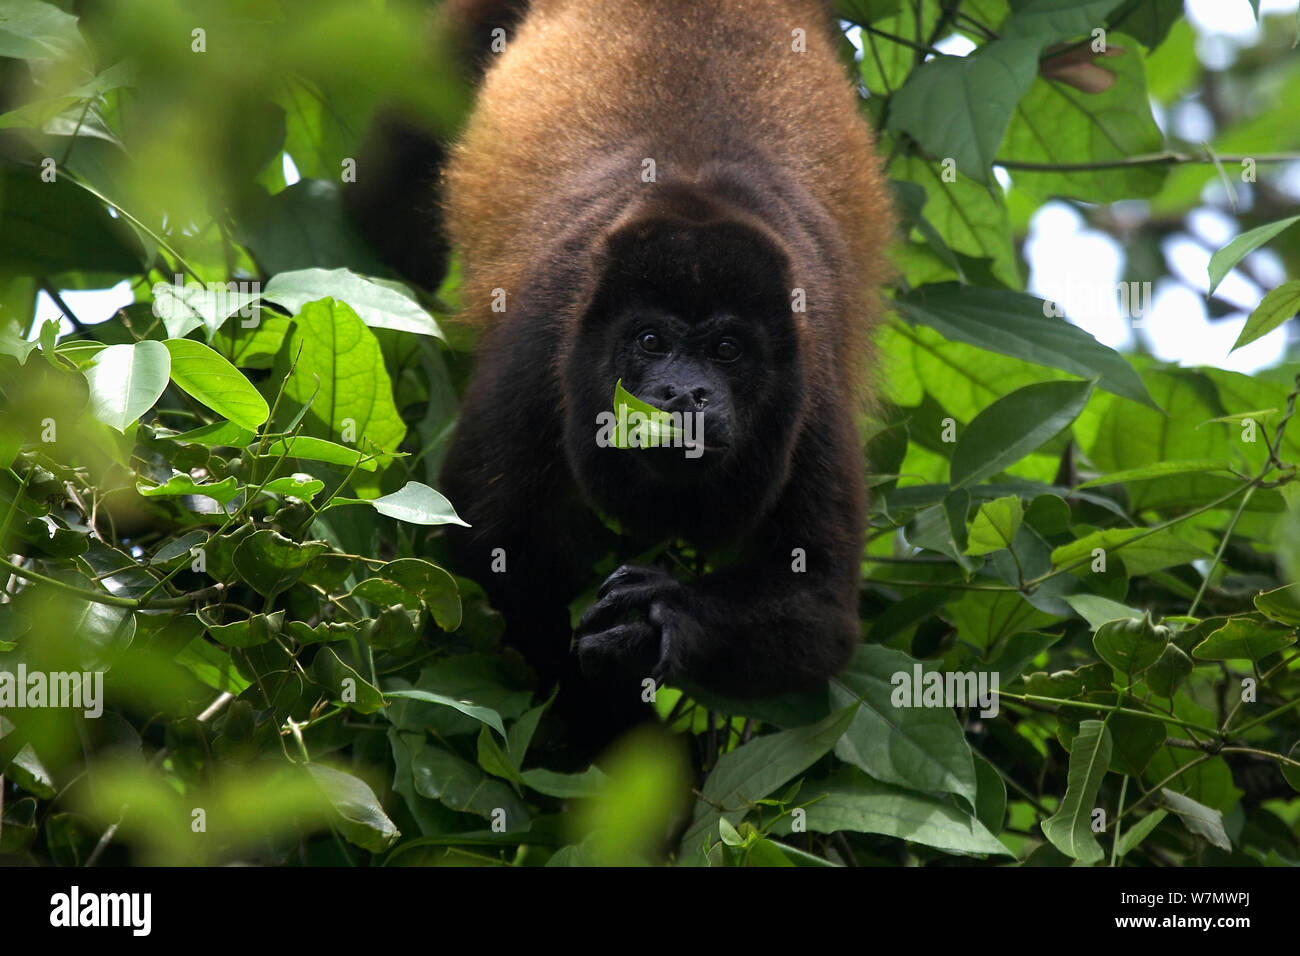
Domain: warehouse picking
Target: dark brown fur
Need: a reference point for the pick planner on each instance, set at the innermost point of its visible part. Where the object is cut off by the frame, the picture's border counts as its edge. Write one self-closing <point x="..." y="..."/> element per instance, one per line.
<point x="767" y="182"/>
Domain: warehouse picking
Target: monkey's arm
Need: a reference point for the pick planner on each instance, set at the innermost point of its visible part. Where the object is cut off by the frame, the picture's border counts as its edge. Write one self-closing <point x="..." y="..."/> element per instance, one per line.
<point x="783" y="619"/>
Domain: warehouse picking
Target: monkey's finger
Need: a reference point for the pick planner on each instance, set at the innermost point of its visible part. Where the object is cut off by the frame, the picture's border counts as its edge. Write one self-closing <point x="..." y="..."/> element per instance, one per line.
<point x="669" y="643"/>
<point x="615" y="604"/>
<point x="630" y="574"/>
<point x="623" y="643"/>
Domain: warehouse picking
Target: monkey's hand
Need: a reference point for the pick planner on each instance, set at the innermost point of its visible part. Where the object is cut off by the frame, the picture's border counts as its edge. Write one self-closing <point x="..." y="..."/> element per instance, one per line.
<point x="636" y="626"/>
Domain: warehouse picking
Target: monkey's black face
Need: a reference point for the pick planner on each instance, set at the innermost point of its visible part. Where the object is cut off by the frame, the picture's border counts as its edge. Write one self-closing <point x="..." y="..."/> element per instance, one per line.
<point x="697" y="369"/>
<point x="695" y="320"/>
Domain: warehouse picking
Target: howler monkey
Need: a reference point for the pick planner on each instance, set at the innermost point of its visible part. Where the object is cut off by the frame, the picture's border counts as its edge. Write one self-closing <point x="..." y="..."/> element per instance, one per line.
<point x="681" y="195"/>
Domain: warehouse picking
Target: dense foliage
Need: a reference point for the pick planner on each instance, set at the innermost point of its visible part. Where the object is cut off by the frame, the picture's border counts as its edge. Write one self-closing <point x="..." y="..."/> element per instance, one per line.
<point x="222" y="499"/>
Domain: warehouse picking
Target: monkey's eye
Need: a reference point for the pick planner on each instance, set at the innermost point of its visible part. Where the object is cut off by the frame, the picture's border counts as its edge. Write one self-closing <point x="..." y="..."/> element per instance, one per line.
<point x="727" y="350"/>
<point x="650" y="341"/>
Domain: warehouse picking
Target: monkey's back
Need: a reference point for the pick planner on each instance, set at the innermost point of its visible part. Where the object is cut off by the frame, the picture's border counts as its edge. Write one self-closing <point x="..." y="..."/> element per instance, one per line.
<point x="589" y="89"/>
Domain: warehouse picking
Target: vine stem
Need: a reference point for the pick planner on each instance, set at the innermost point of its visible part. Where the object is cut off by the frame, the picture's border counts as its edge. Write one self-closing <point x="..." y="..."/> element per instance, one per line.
<point x="1146" y="159"/>
<point x="1218" y="555"/>
<point x="1119" y="817"/>
<point x="1111" y="708"/>
<point x="1154" y="529"/>
<point x="1280" y="758"/>
<point x="1276" y="712"/>
<point x="110" y="599"/>
<point x="1158" y="787"/>
<point x="1280" y="665"/>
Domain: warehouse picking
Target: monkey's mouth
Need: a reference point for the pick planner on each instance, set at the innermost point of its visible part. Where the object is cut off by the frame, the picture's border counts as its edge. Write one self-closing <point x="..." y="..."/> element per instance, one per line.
<point x="686" y="461"/>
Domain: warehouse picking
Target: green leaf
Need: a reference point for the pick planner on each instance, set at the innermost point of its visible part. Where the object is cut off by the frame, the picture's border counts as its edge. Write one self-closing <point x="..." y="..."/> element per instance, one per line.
<point x="414" y="581"/>
<point x="995" y="525"/>
<point x="1130" y="646"/>
<point x="1160" y="469"/>
<point x="30" y="30"/>
<point x="1014" y="426"/>
<point x="1278" y="306"/>
<point x="1147" y="551"/>
<point x="271" y="563"/>
<point x="959" y="106"/>
<point x="1151" y="22"/>
<point x="318" y="449"/>
<point x="253" y="347"/>
<point x="969" y="217"/>
<point x="1223" y="261"/>
<point x="1135" y="742"/>
<point x="1070" y="828"/>
<point x="323" y="633"/>
<point x="181" y="547"/>
<point x="250" y="632"/>
<point x="11" y="343"/>
<point x="1070" y="684"/>
<point x="126" y="380"/>
<point x="1247" y="637"/>
<point x="520" y="734"/>
<point x="349" y="688"/>
<point x="57" y="227"/>
<point x="991" y="799"/>
<point x="379" y="306"/>
<point x="414" y="503"/>
<point x="942" y="528"/>
<point x="212" y="666"/>
<point x="866" y="11"/>
<point x="729" y="834"/>
<point x="1199" y="819"/>
<point x="219" y="491"/>
<point x="915" y="747"/>
<point x="216" y="435"/>
<point x="1117" y="436"/>
<point x="360" y="818"/>
<point x="304" y="226"/>
<point x="646" y="426"/>
<point x="210" y="379"/>
<point x="1058" y="124"/>
<point x="462" y="786"/>
<point x="984" y="618"/>
<point x="185" y="308"/>
<point x="493" y="759"/>
<point x="1289" y="772"/>
<point x="1167" y="673"/>
<point x="299" y="485"/>
<point x="754" y="770"/>
<point x="1281" y="604"/>
<point x="340" y="370"/>
<point x="485" y="715"/>
<point x="1049" y="20"/>
<point x="1134" y="835"/>
<point x="1014" y="324"/>
<point x="566" y="786"/>
<point x="1097" y="610"/>
<point x="853" y="801"/>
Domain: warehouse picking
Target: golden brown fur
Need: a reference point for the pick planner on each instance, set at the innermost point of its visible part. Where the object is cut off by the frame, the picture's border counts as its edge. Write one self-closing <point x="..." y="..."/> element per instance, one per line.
<point x="587" y="82"/>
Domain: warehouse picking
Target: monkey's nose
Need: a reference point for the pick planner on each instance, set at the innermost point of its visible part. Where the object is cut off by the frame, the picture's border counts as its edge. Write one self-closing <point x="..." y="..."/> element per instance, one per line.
<point x="683" y="399"/>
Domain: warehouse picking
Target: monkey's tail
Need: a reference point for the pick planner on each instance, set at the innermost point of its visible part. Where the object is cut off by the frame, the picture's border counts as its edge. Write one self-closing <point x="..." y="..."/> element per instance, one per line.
<point x="395" y="200"/>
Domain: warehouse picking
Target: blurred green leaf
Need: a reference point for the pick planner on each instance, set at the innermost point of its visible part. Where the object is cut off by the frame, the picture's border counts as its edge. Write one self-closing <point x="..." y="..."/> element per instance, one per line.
<point x="1223" y="261"/>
